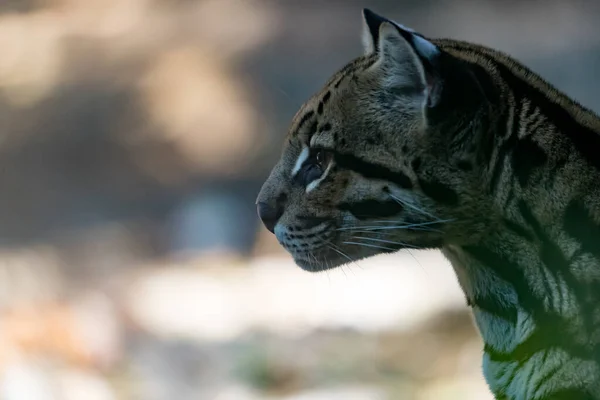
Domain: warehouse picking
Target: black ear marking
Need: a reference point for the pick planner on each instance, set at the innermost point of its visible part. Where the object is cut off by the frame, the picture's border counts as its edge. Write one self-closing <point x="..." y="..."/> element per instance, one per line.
<point x="373" y="22"/>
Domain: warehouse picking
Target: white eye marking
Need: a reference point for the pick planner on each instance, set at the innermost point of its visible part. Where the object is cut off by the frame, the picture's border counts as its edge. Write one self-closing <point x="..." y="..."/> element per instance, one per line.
<point x="313" y="185"/>
<point x="301" y="158"/>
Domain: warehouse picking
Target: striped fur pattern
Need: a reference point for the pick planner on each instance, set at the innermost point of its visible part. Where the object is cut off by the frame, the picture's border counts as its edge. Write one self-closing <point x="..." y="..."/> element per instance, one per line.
<point x="436" y="143"/>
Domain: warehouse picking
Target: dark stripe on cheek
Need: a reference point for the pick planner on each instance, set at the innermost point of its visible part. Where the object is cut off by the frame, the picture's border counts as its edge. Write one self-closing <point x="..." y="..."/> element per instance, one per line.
<point x="373" y="171"/>
<point x="372" y="208"/>
<point x="439" y="192"/>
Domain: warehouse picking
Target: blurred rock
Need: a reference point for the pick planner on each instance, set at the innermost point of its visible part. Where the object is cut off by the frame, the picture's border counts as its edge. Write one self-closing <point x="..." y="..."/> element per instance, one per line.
<point x="237" y="392"/>
<point x="465" y="388"/>
<point x="216" y="220"/>
<point x="202" y="109"/>
<point x="385" y="292"/>
<point x="177" y="369"/>
<point x="99" y="329"/>
<point x="30" y="275"/>
<point x="79" y="384"/>
<point x="27" y="381"/>
<point x="344" y="393"/>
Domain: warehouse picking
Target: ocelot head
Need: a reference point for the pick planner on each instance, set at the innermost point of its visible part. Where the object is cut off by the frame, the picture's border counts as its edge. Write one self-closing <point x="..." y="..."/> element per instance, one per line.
<point x="392" y="153"/>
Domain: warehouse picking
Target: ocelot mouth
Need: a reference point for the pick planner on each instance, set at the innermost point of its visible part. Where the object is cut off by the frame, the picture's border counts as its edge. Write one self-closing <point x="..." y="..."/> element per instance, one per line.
<point x="309" y="265"/>
<point x="323" y="261"/>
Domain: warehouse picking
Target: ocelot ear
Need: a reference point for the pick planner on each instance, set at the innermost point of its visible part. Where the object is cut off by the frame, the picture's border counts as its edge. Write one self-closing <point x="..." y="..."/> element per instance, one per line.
<point x="408" y="60"/>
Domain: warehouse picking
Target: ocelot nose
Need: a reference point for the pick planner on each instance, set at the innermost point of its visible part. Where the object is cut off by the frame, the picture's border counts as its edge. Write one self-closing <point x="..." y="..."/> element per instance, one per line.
<point x="269" y="214"/>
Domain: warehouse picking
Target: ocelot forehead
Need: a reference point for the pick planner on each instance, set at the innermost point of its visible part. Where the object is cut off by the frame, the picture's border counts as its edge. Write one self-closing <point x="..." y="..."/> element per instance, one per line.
<point x="337" y="85"/>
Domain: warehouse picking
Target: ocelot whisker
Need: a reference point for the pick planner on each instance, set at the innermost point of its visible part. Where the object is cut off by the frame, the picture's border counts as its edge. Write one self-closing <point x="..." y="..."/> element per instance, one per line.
<point x="383" y="233"/>
<point x="412" y="206"/>
<point x="384" y="241"/>
<point x="405" y="226"/>
<point x="371" y="245"/>
<point x="391" y="221"/>
<point x="339" y="251"/>
<point x="320" y="268"/>
<point x="417" y="260"/>
<point x="386" y="231"/>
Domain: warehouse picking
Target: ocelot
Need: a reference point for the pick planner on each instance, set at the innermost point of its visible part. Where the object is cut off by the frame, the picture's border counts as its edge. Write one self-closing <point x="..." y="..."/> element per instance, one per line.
<point x="437" y="143"/>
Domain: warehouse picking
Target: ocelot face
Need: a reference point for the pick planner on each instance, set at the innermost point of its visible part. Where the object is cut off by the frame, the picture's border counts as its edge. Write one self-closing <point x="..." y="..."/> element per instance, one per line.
<point x="369" y="165"/>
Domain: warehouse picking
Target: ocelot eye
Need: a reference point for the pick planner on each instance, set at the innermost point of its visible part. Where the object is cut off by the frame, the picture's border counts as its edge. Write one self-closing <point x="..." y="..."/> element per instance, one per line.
<point x="315" y="166"/>
<point x="312" y="172"/>
<point x="320" y="156"/>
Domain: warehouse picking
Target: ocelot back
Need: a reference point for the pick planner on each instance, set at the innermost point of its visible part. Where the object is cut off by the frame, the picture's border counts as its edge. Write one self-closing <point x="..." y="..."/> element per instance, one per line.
<point x="436" y="143"/>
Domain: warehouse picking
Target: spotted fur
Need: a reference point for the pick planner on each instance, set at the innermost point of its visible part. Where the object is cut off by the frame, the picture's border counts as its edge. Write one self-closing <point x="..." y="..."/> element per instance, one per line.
<point x="437" y="143"/>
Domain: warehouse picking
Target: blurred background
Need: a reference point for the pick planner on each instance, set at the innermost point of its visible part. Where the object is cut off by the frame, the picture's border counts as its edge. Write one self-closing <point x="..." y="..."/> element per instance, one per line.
<point x="134" y="137"/>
